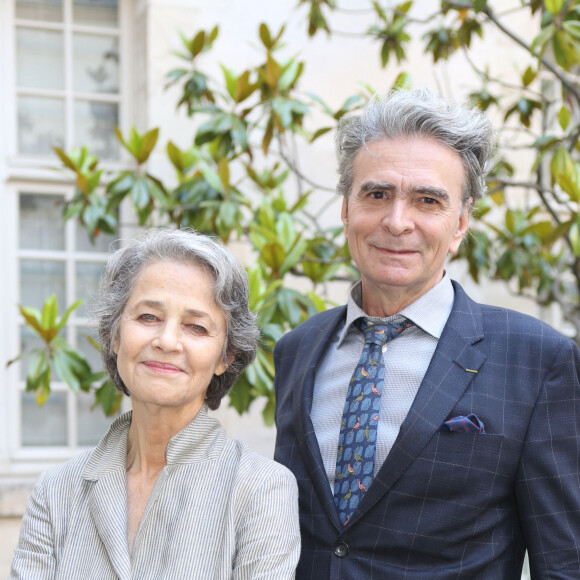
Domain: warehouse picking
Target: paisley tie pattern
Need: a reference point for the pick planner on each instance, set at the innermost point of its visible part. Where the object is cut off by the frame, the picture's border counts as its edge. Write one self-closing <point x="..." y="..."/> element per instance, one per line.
<point x="355" y="460"/>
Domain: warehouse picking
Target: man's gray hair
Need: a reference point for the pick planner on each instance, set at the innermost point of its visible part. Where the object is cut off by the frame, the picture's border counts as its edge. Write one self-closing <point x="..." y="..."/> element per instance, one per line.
<point x="230" y="291"/>
<point x="419" y="113"/>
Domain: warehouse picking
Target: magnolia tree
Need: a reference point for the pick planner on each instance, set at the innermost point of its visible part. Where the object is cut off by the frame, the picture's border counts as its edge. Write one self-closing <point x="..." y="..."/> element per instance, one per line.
<point x="234" y="179"/>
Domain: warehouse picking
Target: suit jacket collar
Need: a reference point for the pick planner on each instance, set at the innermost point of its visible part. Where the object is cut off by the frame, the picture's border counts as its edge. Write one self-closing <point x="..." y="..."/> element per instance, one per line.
<point x="455" y="363"/>
<point x="201" y="440"/>
<point x="310" y="353"/>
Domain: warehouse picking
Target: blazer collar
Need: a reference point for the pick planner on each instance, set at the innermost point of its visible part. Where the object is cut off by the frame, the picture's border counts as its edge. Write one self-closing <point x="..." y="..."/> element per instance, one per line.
<point x="202" y="440"/>
<point x="455" y="363"/>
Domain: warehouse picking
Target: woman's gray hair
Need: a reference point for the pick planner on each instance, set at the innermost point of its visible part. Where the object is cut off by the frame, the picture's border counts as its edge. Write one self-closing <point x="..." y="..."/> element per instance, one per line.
<point x="230" y="290"/>
<point x="419" y="113"/>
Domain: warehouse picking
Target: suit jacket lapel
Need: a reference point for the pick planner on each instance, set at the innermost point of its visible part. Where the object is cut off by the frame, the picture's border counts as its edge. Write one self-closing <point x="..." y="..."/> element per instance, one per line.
<point x="453" y="366"/>
<point x="107" y="496"/>
<point x="310" y="353"/>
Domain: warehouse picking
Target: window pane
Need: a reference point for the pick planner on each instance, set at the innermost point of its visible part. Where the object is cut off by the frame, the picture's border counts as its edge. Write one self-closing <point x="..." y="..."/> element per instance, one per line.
<point x="39" y="58"/>
<point x="91" y="353"/>
<point x="40" y="125"/>
<point x="92" y="423"/>
<point x="96" y="12"/>
<point x="95" y="127"/>
<point x="39" y="279"/>
<point x="103" y="242"/>
<point x="96" y="63"/>
<point x="44" y="425"/>
<point x="48" y="10"/>
<point x="87" y="283"/>
<point x="29" y="340"/>
<point x="41" y="223"/>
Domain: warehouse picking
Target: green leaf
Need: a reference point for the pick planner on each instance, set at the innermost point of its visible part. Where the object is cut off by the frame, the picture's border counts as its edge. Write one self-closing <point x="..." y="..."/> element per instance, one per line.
<point x="529" y="76"/>
<point x="294" y="256"/>
<point x="273" y="256"/>
<point x="541" y="39"/>
<point x="140" y="193"/>
<point x="572" y="27"/>
<point x="554" y="6"/>
<point x="574" y="237"/>
<point x="565" y="50"/>
<point x="564" y="117"/>
<point x="240" y="396"/>
<point x="197" y="43"/>
<point x="32" y="317"/>
<point x="149" y="140"/>
<point x="108" y="398"/>
<point x="66" y="160"/>
<point x="64" y="318"/>
<point x="265" y="35"/>
<point x="64" y="369"/>
<point x="269" y="411"/>
<point x="224" y="173"/>
<point x="212" y="178"/>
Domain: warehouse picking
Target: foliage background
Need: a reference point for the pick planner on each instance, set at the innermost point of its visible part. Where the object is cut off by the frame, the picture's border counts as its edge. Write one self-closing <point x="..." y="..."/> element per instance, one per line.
<point x="258" y="168"/>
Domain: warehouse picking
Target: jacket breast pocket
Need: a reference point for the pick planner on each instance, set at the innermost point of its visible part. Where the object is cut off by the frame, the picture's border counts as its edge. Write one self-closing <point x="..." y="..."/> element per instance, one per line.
<point x="462" y="464"/>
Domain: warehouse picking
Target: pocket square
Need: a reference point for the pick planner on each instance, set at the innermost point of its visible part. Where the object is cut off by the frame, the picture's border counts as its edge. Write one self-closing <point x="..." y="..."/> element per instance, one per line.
<point x="461" y="424"/>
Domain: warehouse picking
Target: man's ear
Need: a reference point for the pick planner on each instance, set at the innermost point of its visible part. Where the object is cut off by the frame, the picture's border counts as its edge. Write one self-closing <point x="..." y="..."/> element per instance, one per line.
<point x="462" y="228"/>
<point x="344" y="214"/>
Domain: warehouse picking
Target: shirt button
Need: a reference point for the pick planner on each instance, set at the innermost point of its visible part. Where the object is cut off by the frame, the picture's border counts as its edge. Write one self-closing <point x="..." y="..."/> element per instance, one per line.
<point x="341" y="550"/>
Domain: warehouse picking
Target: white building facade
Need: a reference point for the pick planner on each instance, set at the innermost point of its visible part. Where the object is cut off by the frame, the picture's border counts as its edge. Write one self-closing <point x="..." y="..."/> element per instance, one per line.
<point x="71" y="71"/>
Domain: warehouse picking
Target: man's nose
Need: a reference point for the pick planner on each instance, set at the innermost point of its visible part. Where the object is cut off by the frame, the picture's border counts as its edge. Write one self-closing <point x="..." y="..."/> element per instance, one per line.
<point x="398" y="218"/>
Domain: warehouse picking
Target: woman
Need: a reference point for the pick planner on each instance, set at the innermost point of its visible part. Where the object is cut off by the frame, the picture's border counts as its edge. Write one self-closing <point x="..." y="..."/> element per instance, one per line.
<point x="166" y="493"/>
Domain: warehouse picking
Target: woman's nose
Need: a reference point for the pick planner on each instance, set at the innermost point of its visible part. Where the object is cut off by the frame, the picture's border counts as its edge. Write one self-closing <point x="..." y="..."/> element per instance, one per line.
<point x="169" y="337"/>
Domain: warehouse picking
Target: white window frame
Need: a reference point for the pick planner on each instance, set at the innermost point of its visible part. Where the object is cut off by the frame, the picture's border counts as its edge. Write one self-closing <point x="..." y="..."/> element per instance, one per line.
<point x="28" y="174"/>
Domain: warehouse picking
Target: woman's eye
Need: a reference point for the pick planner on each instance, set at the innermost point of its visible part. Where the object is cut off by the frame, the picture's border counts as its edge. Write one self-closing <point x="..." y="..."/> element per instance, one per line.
<point x="198" y="328"/>
<point x="148" y="317"/>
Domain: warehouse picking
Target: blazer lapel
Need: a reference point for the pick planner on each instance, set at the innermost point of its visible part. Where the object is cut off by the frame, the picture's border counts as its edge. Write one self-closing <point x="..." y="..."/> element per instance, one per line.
<point x="107" y="495"/>
<point x="108" y="508"/>
<point x="454" y="365"/>
<point x="310" y="354"/>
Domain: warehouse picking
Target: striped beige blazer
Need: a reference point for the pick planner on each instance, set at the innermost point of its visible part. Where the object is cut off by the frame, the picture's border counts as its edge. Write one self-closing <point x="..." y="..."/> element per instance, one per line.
<point x="218" y="511"/>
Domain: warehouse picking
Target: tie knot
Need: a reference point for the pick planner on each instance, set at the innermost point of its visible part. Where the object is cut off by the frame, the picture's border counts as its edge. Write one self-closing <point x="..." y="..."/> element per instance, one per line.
<point x="381" y="333"/>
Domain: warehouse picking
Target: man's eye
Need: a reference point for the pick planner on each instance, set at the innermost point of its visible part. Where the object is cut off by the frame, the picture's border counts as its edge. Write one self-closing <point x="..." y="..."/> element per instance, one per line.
<point x="429" y="200"/>
<point x="377" y="194"/>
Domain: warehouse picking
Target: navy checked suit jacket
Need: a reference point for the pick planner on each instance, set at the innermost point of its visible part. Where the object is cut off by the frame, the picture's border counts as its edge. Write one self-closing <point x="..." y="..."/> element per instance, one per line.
<point x="450" y="505"/>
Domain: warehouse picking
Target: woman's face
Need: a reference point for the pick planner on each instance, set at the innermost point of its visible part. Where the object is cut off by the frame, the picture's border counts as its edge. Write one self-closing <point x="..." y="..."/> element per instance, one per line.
<point x="171" y="338"/>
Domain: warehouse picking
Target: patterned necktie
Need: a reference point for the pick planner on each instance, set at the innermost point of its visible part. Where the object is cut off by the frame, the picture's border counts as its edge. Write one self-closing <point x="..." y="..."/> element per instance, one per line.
<point x="355" y="462"/>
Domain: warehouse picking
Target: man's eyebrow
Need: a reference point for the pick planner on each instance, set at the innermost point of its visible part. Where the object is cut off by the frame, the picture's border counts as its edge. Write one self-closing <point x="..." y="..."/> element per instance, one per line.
<point x="374" y="185"/>
<point x="433" y="190"/>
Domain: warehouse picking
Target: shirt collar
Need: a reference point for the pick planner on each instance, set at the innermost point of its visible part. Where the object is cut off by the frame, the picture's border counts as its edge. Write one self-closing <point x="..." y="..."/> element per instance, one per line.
<point x="429" y="312"/>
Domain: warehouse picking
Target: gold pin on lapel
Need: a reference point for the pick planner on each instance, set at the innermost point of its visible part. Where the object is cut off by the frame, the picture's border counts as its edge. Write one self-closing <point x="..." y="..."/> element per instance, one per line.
<point x="471" y="371"/>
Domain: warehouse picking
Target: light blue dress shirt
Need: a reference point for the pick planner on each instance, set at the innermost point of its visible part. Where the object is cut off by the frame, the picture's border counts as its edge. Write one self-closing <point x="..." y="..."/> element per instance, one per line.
<point x="406" y="360"/>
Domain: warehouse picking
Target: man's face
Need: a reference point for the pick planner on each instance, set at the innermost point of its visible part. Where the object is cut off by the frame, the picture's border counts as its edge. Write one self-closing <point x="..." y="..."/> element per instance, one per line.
<point x="402" y="218"/>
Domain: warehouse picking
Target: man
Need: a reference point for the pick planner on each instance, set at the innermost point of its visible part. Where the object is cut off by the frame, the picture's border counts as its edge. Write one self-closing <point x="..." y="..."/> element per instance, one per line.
<point x="450" y="446"/>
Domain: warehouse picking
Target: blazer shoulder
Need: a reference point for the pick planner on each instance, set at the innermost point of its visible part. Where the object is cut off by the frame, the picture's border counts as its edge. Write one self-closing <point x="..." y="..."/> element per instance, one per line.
<point x="499" y="320"/>
<point x="70" y="470"/>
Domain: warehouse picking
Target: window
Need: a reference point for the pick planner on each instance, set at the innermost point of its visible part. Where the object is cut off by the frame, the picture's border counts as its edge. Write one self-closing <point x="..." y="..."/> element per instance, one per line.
<point x="57" y="258"/>
<point x="66" y="84"/>
<point x="67" y="76"/>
